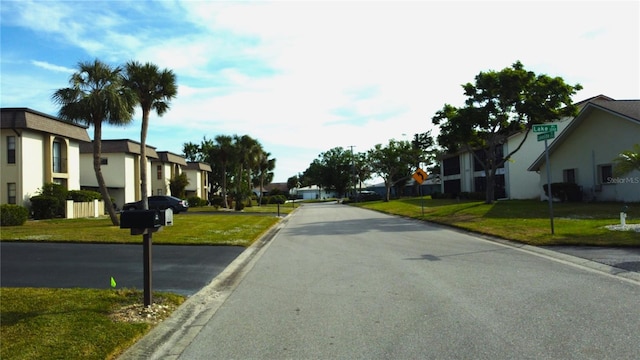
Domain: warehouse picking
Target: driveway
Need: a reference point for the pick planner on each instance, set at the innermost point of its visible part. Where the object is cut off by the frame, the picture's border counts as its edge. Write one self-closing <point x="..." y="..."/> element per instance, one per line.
<point x="178" y="269"/>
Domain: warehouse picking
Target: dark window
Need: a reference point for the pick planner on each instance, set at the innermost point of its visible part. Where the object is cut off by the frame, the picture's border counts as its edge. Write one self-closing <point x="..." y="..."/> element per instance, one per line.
<point x="159" y="171"/>
<point x="57" y="157"/>
<point x="606" y="174"/>
<point x="569" y="176"/>
<point x="104" y="161"/>
<point x="11" y="149"/>
<point x="11" y="193"/>
<point x="451" y="166"/>
<point x="452" y="187"/>
<point x="481" y="158"/>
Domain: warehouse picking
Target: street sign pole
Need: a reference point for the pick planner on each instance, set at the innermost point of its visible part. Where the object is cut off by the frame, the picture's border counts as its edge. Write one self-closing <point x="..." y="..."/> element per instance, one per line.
<point x="549" y="195"/>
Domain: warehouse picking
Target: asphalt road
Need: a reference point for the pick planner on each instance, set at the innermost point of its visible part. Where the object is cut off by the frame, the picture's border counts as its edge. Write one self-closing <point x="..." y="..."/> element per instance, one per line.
<point x="339" y="282"/>
<point x="178" y="269"/>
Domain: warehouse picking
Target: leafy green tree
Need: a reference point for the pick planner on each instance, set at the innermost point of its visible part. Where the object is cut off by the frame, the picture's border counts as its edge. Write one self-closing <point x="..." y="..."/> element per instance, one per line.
<point x="362" y="168"/>
<point x="97" y="94"/>
<point x="393" y="163"/>
<point x="191" y="152"/>
<point x="331" y="170"/>
<point x="154" y="89"/>
<point x="627" y="161"/>
<point x="499" y="105"/>
<point x="178" y="184"/>
<point x="247" y="150"/>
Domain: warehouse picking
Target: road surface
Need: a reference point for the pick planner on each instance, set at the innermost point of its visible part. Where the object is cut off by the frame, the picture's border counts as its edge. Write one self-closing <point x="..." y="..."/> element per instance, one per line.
<point x="338" y="282"/>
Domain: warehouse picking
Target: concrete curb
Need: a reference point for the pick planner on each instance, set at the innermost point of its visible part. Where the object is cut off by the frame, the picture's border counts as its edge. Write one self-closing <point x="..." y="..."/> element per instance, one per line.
<point x="169" y="338"/>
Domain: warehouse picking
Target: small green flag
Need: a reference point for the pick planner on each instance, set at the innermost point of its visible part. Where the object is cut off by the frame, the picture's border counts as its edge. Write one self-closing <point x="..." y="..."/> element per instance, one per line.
<point x="113" y="282"/>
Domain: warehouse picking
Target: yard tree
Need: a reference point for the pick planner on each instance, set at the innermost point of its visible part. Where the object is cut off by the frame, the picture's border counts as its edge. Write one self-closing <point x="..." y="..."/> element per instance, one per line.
<point x="191" y="151"/>
<point x="501" y="104"/>
<point x="246" y="150"/>
<point x="330" y="170"/>
<point x="154" y="89"/>
<point x="393" y="163"/>
<point x="97" y="94"/>
<point x="362" y="168"/>
<point x="627" y="161"/>
<point x="264" y="174"/>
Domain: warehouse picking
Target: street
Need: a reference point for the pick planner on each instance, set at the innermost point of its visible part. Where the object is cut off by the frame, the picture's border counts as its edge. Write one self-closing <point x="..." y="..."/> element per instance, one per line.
<point x="338" y="282"/>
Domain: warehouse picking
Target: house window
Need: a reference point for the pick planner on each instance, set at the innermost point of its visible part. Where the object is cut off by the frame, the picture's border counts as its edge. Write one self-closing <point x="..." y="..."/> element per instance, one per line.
<point x="159" y="171"/>
<point x="11" y="149"/>
<point x="104" y="161"/>
<point x="569" y="176"/>
<point x="11" y="193"/>
<point x="159" y="192"/>
<point x="606" y="173"/>
<point x="57" y="157"/>
<point x="451" y="166"/>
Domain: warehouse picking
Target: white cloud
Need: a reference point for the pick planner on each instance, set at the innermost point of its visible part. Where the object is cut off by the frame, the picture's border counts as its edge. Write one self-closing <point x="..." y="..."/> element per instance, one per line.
<point x="304" y="77"/>
<point x="52" y="67"/>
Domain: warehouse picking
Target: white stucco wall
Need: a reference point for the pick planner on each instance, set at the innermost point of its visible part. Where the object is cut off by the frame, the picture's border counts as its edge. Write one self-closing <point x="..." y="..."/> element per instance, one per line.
<point x="520" y="183"/>
<point x="597" y="141"/>
<point x="73" y="169"/>
<point x="32" y="158"/>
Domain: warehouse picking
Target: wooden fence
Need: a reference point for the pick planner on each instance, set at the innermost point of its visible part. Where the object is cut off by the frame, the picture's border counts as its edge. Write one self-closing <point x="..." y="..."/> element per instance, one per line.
<point x="76" y="210"/>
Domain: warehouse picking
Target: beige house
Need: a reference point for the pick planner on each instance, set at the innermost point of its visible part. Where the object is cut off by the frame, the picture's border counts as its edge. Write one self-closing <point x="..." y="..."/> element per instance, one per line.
<point x="583" y="154"/>
<point x="37" y="149"/>
<point x="167" y="166"/>
<point x="120" y="164"/>
<point x="198" y="176"/>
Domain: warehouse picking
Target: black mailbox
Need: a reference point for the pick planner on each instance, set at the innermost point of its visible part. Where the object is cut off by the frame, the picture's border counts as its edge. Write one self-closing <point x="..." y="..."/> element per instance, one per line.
<point x="140" y="219"/>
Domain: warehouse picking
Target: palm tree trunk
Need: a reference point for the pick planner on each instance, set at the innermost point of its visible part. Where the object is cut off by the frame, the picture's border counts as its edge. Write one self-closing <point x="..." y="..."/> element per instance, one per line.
<point x="97" y="151"/>
<point x="143" y="159"/>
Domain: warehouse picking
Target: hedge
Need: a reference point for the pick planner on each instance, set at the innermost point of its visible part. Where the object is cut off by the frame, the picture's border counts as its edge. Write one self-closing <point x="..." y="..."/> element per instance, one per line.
<point x="13" y="215"/>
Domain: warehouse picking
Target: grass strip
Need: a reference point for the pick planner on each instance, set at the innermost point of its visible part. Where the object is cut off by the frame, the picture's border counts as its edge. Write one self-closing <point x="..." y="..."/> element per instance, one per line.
<point x="525" y="221"/>
<point x="69" y="323"/>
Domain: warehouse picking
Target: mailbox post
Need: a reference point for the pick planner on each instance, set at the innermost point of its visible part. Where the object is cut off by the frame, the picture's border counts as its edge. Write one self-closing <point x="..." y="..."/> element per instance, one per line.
<point x="145" y="223"/>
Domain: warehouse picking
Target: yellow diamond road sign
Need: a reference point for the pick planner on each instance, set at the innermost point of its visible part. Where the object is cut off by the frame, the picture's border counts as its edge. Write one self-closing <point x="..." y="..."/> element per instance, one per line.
<point x="420" y="176"/>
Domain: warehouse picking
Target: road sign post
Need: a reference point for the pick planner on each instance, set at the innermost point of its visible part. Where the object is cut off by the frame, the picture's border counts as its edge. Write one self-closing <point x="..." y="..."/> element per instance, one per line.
<point x="543" y="128"/>
<point x="420" y="176"/>
<point x="549" y="194"/>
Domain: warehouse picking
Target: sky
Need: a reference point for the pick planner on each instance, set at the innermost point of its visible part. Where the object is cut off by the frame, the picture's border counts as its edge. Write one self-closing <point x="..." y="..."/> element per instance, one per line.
<point x="303" y="77"/>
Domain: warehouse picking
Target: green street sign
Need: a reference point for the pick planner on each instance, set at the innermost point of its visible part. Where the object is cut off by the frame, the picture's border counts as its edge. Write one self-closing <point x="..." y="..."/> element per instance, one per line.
<point x="544" y="128"/>
<point x="546" y="136"/>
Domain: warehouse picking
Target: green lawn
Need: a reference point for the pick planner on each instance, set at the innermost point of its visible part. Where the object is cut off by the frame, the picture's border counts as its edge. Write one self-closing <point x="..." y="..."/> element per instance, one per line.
<point x="525" y="221"/>
<point x="76" y="323"/>
<point x="193" y="228"/>
<point x="69" y="323"/>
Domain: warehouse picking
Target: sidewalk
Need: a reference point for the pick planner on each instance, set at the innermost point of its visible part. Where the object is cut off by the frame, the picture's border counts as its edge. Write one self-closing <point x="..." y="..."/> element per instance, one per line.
<point x="619" y="257"/>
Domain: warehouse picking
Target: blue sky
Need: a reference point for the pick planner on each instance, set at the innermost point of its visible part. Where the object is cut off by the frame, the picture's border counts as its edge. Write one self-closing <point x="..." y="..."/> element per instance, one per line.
<point x="304" y="77"/>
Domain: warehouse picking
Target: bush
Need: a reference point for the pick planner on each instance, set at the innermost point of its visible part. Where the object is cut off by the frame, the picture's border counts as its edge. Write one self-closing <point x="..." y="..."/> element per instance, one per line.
<point x="277" y="199"/>
<point x="216" y="201"/>
<point x="57" y="192"/>
<point x="44" y="207"/>
<point x="13" y="215"/>
<point x="564" y="191"/>
<point x="195" y="201"/>
<point x="84" y="195"/>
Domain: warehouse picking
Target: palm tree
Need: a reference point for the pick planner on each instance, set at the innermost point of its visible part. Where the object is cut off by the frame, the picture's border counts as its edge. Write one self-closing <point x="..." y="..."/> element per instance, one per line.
<point x="265" y="172"/>
<point x="97" y="94"/>
<point x="154" y="89"/>
<point x="627" y="161"/>
<point x="223" y="153"/>
<point x="246" y="149"/>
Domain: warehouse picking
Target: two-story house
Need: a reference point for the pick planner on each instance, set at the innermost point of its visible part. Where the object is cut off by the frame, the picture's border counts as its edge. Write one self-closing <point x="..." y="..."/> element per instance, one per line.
<point x="198" y="176"/>
<point x="167" y="166"/>
<point x="37" y="149"/>
<point x="120" y="165"/>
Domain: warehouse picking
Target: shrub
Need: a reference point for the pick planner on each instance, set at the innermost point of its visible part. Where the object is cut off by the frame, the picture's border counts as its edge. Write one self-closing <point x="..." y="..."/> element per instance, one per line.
<point x="216" y="201"/>
<point x="57" y="192"/>
<point x="13" y="215"/>
<point x="277" y="199"/>
<point x="44" y="207"/>
<point x="564" y="191"/>
<point x="84" y="195"/>
<point x="195" y="201"/>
